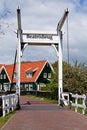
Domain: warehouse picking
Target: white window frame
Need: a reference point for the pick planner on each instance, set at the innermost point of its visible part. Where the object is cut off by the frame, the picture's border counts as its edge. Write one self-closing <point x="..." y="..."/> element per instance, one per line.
<point x="45" y="75"/>
<point x="14" y="75"/>
<point x="29" y="74"/>
<point x="26" y="87"/>
<point x="4" y="76"/>
<point x="30" y="87"/>
<point x="6" y="86"/>
<point x="0" y="86"/>
<point x="49" y="75"/>
<point x="1" y="76"/>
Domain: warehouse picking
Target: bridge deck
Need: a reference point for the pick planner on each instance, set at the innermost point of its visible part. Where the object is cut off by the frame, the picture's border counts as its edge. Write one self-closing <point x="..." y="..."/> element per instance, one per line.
<point x="39" y="115"/>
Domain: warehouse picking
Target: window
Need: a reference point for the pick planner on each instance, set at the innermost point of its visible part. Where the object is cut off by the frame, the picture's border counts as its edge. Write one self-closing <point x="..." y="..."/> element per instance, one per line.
<point x="14" y="74"/>
<point x="29" y="74"/>
<point x="14" y="87"/>
<point x="45" y="75"/>
<point x="49" y="75"/>
<point x="6" y="87"/>
<point x="1" y="77"/>
<point x="30" y="87"/>
<point x="26" y="87"/>
<point x="4" y="76"/>
<point x="0" y="86"/>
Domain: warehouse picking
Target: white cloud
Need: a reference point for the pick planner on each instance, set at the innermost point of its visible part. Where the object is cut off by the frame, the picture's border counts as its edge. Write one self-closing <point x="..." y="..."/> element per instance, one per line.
<point x="44" y="15"/>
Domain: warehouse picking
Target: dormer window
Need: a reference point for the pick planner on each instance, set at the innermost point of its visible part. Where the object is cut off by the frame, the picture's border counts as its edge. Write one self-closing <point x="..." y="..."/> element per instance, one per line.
<point x="29" y="74"/>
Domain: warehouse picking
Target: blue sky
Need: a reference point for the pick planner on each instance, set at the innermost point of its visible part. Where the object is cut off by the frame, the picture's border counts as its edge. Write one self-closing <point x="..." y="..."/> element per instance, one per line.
<point x="43" y="15"/>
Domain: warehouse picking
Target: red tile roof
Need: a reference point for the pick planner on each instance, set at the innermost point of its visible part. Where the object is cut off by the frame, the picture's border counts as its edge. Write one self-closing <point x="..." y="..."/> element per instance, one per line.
<point x="1" y="65"/>
<point x="9" y="71"/>
<point x="27" y="66"/>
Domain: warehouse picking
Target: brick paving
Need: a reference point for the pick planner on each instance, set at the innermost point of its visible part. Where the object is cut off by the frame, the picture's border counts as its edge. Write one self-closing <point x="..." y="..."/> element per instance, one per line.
<point x="39" y="115"/>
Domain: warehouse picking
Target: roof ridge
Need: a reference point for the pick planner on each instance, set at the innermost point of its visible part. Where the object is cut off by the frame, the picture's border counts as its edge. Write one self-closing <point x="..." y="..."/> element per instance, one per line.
<point x="25" y="62"/>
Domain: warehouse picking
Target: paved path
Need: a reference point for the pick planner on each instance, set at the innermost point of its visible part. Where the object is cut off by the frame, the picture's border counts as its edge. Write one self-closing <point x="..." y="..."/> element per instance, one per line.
<point x="38" y="115"/>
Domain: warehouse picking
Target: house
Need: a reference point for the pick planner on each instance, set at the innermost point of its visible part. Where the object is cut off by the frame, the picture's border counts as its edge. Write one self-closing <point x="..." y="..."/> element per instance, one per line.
<point x="33" y="75"/>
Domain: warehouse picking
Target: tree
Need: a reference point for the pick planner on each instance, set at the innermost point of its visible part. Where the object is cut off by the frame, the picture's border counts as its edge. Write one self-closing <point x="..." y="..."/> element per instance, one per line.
<point x="74" y="79"/>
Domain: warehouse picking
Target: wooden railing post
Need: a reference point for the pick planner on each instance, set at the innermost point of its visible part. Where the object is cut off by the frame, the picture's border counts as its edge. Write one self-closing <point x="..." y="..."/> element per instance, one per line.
<point x="83" y="103"/>
<point x="3" y="106"/>
<point x="76" y="103"/>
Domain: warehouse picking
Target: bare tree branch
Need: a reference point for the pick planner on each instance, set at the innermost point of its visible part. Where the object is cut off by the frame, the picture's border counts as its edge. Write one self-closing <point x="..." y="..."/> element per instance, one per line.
<point x="4" y="24"/>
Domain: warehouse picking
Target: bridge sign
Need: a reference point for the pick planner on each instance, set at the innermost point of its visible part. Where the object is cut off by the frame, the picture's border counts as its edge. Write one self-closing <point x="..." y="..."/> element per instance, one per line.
<point x="39" y="37"/>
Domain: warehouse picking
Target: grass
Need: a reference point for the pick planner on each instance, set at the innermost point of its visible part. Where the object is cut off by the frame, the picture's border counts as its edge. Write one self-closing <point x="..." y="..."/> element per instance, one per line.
<point x="44" y="99"/>
<point x="51" y="101"/>
<point x="86" y="111"/>
<point x="3" y="120"/>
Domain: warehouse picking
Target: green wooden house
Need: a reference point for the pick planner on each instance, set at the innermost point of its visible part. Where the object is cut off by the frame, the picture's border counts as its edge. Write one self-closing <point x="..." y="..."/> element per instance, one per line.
<point x="33" y="76"/>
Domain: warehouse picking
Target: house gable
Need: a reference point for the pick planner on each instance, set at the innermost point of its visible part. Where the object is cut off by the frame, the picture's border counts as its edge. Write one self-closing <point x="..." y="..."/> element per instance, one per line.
<point x="3" y="76"/>
<point x="45" y="75"/>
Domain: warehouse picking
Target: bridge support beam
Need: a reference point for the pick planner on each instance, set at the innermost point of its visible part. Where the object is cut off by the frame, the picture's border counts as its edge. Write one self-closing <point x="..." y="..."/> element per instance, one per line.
<point x="60" y="71"/>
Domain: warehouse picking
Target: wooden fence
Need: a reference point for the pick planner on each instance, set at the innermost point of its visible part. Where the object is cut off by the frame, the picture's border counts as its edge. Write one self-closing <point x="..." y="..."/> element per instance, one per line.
<point x="9" y="103"/>
<point x="78" y="101"/>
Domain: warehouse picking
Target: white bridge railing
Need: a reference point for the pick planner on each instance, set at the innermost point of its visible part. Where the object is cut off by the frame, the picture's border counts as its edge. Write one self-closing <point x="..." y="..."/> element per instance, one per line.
<point x="78" y="101"/>
<point x="65" y="98"/>
<point x="76" y="104"/>
<point x="9" y="103"/>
